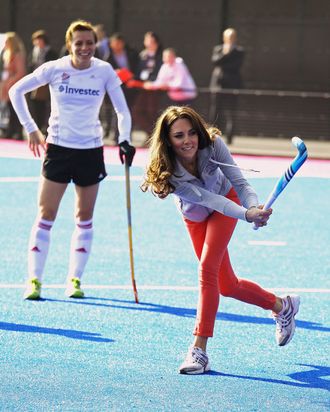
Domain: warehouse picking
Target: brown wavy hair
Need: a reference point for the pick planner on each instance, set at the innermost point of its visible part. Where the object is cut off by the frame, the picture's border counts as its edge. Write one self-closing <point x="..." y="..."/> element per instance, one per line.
<point x="162" y="157"/>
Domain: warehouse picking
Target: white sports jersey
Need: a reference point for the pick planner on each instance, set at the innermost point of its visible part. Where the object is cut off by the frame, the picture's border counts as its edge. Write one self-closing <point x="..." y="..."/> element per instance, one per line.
<point x="76" y="98"/>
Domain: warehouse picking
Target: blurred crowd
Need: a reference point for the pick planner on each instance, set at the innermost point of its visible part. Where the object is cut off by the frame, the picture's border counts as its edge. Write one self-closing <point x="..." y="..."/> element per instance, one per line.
<point x="147" y="75"/>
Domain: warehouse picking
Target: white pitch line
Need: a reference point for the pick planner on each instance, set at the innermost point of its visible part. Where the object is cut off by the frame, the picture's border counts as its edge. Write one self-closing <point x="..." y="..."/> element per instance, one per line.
<point x="121" y="178"/>
<point x="24" y="179"/>
<point x="111" y="287"/>
<point x="267" y="242"/>
<point x="19" y="179"/>
<point x="155" y="287"/>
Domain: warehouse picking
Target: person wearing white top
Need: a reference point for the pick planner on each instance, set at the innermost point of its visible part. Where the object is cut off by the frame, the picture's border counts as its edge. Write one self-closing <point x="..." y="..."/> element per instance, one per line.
<point x="174" y="77"/>
<point x="73" y="146"/>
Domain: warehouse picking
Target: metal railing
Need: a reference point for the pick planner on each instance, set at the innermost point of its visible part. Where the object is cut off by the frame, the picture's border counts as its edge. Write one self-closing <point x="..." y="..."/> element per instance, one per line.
<point x="273" y="113"/>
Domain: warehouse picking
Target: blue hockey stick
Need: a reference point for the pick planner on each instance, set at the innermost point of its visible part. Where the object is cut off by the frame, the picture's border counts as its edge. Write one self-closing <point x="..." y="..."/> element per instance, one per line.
<point x="280" y="185"/>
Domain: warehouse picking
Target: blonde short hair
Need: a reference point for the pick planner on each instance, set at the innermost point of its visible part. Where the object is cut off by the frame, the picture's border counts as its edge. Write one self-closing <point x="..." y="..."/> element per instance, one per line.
<point x="78" y="25"/>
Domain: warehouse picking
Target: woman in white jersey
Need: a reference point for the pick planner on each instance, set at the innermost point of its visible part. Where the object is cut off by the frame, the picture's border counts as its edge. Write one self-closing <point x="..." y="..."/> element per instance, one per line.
<point x="74" y="147"/>
<point x="190" y="160"/>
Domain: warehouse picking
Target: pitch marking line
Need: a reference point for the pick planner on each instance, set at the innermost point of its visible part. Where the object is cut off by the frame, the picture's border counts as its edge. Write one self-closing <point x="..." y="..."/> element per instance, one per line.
<point x="23" y="179"/>
<point x="267" y="242"/>
<point x="153" y="287"/>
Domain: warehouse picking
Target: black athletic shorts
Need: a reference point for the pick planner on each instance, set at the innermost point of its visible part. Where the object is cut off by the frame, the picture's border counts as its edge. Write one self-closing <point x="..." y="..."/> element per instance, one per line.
<point x="85" y="167"/>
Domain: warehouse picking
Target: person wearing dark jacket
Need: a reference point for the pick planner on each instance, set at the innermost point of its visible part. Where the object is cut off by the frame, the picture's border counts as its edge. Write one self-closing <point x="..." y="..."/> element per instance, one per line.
<point x="121" y="55"/>
<point x="41" y="53"/>
<point x="124" y="59"/>
<point x="227" y="60"/>
<point x="146" y="105"/>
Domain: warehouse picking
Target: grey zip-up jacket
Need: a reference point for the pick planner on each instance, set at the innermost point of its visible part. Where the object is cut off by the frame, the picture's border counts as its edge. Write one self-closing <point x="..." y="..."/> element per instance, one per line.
<point x="197" y="198"/>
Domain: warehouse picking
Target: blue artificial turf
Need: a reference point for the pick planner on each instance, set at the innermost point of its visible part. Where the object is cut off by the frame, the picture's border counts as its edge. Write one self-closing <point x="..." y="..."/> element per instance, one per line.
<point x="107" y="353"/>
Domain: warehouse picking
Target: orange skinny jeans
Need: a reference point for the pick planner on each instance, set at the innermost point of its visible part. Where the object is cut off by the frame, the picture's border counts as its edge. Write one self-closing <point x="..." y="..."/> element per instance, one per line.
<point x="210" y="239"/>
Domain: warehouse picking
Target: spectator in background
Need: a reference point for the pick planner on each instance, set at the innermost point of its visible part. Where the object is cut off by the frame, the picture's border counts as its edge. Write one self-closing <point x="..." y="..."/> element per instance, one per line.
<point x="227" y="59"/>
<point x="102" y="45"/>
<point x="102" y="52"/>
<point x="12" y="68"/>
<point x="40" y="98"/>
<point x="4" y="111"/>
<point x="146" y="105"/>
<point x="150" y="58"/>
<point x="121" y="55"/>
<point x="174" y="77"/>
<point x="124" y="59"/>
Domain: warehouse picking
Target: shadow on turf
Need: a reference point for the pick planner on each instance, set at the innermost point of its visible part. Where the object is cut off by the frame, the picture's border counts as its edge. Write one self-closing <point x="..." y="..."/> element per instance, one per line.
<point x="311" y="378"/>
<point x="69" y="333"/>
<point x="184" y="312"/>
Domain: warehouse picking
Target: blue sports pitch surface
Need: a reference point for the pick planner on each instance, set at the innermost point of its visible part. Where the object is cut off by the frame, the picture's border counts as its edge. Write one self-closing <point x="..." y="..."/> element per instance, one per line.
<point x="107" y="353"/>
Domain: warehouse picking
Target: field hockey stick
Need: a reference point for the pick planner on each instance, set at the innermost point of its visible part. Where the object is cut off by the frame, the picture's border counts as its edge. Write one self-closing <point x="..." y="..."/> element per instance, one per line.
<point x="129" y="224"/>
<point x="295" y="165"/>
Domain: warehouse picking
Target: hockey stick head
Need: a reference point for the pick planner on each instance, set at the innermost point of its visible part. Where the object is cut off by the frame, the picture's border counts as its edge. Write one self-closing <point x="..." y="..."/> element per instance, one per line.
<point x="300" y="145"/>
<point x="302" y="153"/>
<point x="288" y="174"/>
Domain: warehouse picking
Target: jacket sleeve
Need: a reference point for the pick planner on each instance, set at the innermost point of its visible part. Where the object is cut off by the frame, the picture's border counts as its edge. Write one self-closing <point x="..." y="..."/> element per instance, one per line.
<point x="244" y="190"/>
<point x="190" y="193"/>
<point x="216" y="55"/>
<point x="231" y="61"/>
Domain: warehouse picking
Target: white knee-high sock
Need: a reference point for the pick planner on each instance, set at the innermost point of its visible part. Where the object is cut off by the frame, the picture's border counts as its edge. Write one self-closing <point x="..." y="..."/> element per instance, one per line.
<point x="81" y="243"/>
<point x="38" y="247"/>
